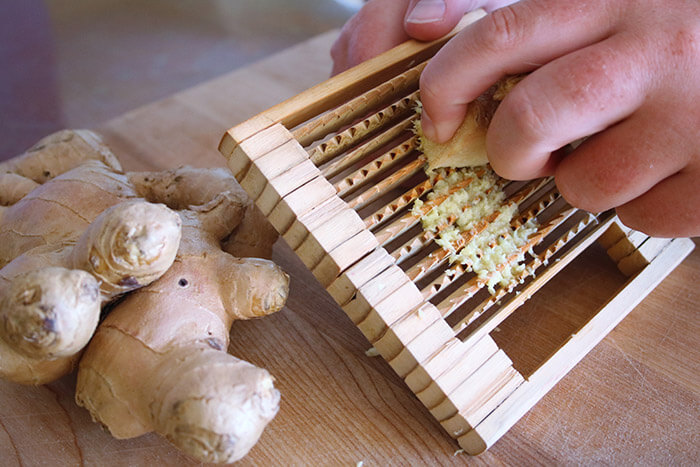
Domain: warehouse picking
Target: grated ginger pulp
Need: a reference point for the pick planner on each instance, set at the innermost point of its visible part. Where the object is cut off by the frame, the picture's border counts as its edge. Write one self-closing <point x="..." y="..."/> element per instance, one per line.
<point x="476" y="212"/>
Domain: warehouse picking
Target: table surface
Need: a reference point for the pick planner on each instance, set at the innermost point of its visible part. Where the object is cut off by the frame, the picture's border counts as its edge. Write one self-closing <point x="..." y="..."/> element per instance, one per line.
<point x="635" y="398"/>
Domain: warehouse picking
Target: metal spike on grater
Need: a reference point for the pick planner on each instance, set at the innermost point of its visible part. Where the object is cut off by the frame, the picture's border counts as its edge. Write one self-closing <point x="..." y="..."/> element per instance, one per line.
<point x="336" y="171"/>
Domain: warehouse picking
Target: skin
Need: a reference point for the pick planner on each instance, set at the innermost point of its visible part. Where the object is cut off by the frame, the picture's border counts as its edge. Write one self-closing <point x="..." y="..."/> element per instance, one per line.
<point x="158" y="362"/>
<point x="625" y="72"/>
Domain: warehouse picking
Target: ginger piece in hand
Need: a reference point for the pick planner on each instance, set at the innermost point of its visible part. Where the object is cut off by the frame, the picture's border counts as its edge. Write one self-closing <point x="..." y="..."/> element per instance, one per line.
<point x="158" y="362"/>
<point x="467" y="148"/>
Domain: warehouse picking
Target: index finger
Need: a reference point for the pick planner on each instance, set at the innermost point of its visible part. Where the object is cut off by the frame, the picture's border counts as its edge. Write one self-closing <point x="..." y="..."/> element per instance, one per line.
<point x="514" y="39"/>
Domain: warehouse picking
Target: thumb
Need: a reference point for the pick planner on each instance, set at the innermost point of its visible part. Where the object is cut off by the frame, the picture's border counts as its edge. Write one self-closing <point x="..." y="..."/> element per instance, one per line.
<point x="427" y="20"/>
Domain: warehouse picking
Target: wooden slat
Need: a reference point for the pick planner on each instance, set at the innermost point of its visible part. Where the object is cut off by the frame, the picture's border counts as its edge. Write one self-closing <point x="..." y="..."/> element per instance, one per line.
<point x="344" y="287"/>
<point x="445" y="377"/>
<point x="280" y="186"/>
<point x="338" y="228"/>
<point x="395" y="206"/>
<point x="372" y="170"/>
<point x="453" y="356"/>
<point x="616" y="232"/>
<point x="240" y="155"/>
<point x="269" y="166"/>
<point x="299" y="202"/>
<point x="386" y="184"/>
<point x="503" y="417"/>
<point x="343" y="256"/>
<point x="481" y="386"/>
<point x="626" y="245"/>
<point x="406" y="329"/>
<point x="308" y="222"/>
<point x="433" y="338"/>
<point x="342" y="87"/>
<point x="477" y="405"/>
<point x="643" y="255"/>
<point x="339" y="143"/>
<point x="389" y="310"/>
<point x="364" y="150"/>
<point x="374" y="291"/>
<point x="357" y="108"/>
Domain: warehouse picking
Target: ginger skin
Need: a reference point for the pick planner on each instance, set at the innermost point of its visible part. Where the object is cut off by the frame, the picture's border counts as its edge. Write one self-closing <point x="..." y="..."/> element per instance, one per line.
<point x="252" y="238"/>
<point x="76" y="232"/>
<point x="158" y="362"/>
<point x="44" y="327"/>
<point x="58" y="153"/>
<point x="69" y="246"/>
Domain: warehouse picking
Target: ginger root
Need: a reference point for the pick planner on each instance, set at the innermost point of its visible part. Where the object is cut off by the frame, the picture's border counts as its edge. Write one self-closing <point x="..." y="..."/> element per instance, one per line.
<point x="70" y="245"/>
<point x="253" y="237"/>
<point x="467" y="148"/>
<point x="158" y="362"/>
<point x="76" y="233"/>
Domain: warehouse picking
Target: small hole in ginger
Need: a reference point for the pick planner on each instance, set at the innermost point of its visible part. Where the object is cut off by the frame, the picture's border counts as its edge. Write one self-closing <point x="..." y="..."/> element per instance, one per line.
<point x="182" y="282"/>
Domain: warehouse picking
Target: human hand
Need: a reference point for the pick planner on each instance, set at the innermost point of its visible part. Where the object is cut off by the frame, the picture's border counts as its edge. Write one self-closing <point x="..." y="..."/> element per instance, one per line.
<point x="627" y="73"/>
<point x="383" y="24"/>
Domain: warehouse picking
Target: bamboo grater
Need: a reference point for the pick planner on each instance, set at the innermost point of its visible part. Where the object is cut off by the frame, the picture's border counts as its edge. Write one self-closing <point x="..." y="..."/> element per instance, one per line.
<point x="335" y="170"/>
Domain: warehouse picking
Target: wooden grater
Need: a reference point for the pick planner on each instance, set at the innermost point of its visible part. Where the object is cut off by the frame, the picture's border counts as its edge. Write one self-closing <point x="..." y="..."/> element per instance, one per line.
<point x="335" y="170"/>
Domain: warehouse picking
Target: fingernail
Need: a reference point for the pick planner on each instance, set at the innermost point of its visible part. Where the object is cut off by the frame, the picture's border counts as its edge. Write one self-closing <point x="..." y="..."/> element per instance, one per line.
<point x="440" y="132"/>
<point x="428" y="127"/>
<point x="427" y="11"/>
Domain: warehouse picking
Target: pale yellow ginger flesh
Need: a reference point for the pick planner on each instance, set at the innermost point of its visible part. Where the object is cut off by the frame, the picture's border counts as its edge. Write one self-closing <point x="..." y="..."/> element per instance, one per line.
<point x="464" y="211"/>
<point x="467" y="148"/>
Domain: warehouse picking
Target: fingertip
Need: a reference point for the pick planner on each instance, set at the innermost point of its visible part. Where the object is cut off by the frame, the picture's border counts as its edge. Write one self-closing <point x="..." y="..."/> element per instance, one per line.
<point x="426" y="12"/>
<point x="431" y="19"/>
<point x="668" y="209"/>
<point x="510" y="160"/>
<point x="629" y="215"/>
<point x="569" y="188"/>
<point x="441" y="131"/>
<point x="428" y="127"/>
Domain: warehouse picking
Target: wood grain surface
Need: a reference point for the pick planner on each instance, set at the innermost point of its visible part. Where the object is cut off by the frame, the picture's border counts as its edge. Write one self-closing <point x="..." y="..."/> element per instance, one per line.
<point x="635" y="399"/>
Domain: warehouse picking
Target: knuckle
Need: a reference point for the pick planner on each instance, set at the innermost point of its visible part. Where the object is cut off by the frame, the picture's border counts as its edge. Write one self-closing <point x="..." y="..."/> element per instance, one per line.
<point x="503" y="29"/>
<point x="530" y="114"/>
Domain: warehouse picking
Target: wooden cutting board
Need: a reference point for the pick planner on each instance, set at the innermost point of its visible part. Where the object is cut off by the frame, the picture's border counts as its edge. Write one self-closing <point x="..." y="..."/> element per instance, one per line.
<point x="634" y="399"/>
